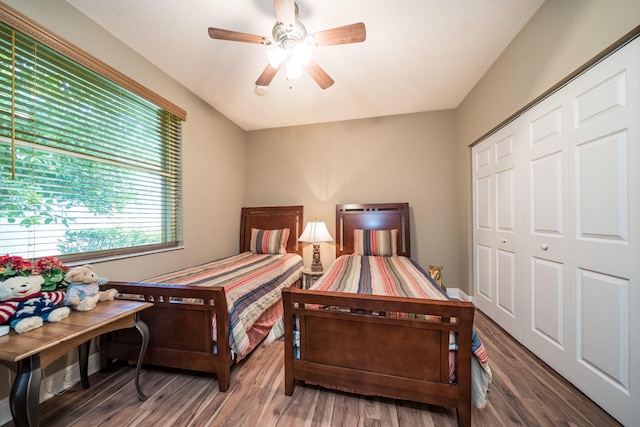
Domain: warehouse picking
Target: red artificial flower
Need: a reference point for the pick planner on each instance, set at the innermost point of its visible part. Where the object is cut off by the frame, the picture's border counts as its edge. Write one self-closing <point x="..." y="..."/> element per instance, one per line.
<point x="50" y="268"/>
<point x="13" y="266"/>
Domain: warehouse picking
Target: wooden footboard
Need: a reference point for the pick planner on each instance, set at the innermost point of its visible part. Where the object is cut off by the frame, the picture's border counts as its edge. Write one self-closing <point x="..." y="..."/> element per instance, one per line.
<point x="181" y="333"/>
<point x="376" y="345"/>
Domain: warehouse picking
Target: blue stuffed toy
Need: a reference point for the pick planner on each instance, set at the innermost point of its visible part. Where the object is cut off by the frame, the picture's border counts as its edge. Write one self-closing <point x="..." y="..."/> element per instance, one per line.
<point x="83" y="288"/>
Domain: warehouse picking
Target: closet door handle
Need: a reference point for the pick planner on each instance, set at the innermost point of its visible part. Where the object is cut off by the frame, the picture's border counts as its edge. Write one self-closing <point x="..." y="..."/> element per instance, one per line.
<point x="504" y="240"/>
<point x="545" y="246"/>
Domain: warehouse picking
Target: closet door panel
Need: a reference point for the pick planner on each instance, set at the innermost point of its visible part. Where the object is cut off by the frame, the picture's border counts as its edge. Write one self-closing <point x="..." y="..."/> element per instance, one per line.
<point x="547" y="329"/>
<point x="505" y="249"/>
<point x="547" y="195"/>
<point x="548" y="310"/>
<point x="484" y="277"/>
<point x="507" y="303"/>
<point x="605" y="214"/>
<point x="495" y="216"/>
<point x="505" y="282"/>
<point x="602" y="185"/>
<point x="603" y="326"/>
<point x="483" y="226"/>
<point x="484" y="211"/>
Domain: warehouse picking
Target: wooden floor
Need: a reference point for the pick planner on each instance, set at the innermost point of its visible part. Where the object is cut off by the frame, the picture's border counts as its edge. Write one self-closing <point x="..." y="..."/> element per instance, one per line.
<point x="525" y="392"/>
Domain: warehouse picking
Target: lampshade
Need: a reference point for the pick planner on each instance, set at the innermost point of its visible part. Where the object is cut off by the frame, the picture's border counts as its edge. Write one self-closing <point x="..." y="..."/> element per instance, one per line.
<point x="314" y="232"/>
<point x="293" y="70"/>
<point x="276" y="55"/>
<point x="301" y="53"/>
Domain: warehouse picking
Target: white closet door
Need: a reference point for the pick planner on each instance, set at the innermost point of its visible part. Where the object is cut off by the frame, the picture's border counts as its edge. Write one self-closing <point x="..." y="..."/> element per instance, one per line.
<point x="546" y="268"/>
<point x="556" y="231"/>
<point x="483" y="226"/>
<point x="605" y="215"/>
<point x="497" y="292"/>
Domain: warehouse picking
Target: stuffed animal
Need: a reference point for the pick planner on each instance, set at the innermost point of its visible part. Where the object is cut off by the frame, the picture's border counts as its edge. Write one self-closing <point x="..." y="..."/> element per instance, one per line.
<point x="25" y="307"/>
<point x="83" y="289"/>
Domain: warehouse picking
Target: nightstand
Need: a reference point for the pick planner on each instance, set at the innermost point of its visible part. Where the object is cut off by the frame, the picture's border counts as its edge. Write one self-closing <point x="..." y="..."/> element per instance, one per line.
<point x="309" y="277"/>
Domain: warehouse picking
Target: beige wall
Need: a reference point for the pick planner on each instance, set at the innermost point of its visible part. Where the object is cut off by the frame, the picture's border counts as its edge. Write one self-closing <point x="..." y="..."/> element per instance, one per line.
<point x="561" y="37"/>
<point x="407" y="158"/>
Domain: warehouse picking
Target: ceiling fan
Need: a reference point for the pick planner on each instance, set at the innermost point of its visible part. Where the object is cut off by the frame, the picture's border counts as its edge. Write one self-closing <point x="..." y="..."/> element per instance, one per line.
<point x="291" y="44"/>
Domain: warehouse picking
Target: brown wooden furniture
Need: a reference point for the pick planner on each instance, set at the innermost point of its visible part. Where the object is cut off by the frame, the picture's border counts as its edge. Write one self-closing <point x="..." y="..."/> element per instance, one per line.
<point x="28" y="353"/>
<point x="365" y="349"/>
<point x="182" y="334"/>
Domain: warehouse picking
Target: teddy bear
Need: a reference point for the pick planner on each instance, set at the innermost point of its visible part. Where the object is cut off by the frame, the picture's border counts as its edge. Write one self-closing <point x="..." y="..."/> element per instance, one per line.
<point x="83" y="289"/>
<point x="25" y="306"/>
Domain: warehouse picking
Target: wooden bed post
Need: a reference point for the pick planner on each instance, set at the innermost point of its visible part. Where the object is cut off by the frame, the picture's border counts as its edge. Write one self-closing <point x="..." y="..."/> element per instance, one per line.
<point x="222" y="330"/>
<point x="288" y="342"/>
<point x="463" y="367"/>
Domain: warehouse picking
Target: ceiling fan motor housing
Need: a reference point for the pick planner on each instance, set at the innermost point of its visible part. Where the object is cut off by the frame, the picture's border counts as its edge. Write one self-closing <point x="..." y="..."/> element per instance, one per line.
<point x="288" y="37"/>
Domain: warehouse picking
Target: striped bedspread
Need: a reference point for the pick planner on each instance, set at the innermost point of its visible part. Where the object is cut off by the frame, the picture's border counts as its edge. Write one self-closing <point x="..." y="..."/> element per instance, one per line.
<point x="403" y="277"/>
<point x="252" y="284"/>
<point x="390" y="276"/>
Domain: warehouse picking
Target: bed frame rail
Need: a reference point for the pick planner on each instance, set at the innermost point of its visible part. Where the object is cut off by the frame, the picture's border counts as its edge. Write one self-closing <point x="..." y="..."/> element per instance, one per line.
<point x="171" y="344"/>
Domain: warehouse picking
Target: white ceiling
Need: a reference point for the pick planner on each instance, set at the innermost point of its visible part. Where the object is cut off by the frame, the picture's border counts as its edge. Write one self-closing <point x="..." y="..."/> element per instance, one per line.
<point x="419" y="55"/>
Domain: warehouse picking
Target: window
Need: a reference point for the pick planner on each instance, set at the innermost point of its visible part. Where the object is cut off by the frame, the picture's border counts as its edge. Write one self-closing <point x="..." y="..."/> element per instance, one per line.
<point x="87" y="167"/>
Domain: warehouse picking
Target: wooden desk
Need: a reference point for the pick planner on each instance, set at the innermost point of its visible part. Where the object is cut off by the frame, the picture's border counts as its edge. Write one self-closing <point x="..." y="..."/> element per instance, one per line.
<point x="28" y="353"/>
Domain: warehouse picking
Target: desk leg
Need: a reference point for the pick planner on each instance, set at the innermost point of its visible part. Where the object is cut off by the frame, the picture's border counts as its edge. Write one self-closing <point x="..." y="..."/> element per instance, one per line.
<point x="83" y="362"/>
<point x="25" y="392"/>
<point x="144" y="331"/>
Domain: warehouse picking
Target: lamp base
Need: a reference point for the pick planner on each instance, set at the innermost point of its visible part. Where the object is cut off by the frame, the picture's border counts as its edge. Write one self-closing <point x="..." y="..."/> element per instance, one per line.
<point x="316" y="265"/>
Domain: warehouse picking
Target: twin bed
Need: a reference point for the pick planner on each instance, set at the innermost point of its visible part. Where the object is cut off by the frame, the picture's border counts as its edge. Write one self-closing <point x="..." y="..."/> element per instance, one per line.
<point x="207" y="317"/>
<point x="375" y="323"/>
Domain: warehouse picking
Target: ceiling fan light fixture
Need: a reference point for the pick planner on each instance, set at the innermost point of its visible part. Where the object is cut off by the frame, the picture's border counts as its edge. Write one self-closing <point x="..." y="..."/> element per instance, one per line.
<point x="291" y="45"/>
<point x="301" y="53"/>
<point x="276" y="55"/>
<point x="293" y="69"/>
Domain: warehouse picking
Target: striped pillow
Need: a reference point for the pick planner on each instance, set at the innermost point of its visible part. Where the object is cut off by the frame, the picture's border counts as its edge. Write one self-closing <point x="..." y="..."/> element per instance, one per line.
<point x="269" y="241"/>
<point x="375" y="242"/>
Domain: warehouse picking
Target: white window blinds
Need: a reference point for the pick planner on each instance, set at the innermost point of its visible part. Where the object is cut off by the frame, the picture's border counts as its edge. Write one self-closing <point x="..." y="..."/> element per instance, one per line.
<point x="87" y="167"/>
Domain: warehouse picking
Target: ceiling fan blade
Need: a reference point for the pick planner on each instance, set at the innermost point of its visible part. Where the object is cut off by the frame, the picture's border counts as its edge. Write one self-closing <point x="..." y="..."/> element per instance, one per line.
<point x="353" y="33"/>
<point x="267" y="75"/>
<point x="285" y="11"/>
<point x="319" y="75"/>
<point x="234" y="36"/>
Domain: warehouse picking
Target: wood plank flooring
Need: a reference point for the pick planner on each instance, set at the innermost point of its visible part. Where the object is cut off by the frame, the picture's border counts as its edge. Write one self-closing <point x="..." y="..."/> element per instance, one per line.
<point x="525" y="392"/>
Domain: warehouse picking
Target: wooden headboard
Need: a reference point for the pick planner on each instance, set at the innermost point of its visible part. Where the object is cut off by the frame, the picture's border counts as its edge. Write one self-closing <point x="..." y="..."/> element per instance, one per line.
<point x="374" y="216"/>
<point x="272" y="218"/>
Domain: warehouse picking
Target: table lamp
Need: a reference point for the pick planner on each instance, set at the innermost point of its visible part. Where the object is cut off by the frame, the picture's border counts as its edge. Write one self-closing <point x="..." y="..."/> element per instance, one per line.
<point x="315" y="232"/>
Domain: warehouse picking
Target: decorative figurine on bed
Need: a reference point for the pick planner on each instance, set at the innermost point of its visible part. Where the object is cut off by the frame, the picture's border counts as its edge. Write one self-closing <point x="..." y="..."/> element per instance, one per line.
<point x="24" y="306"/>
<point x="83" y="289"/>
<point x="435" y="271"/>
